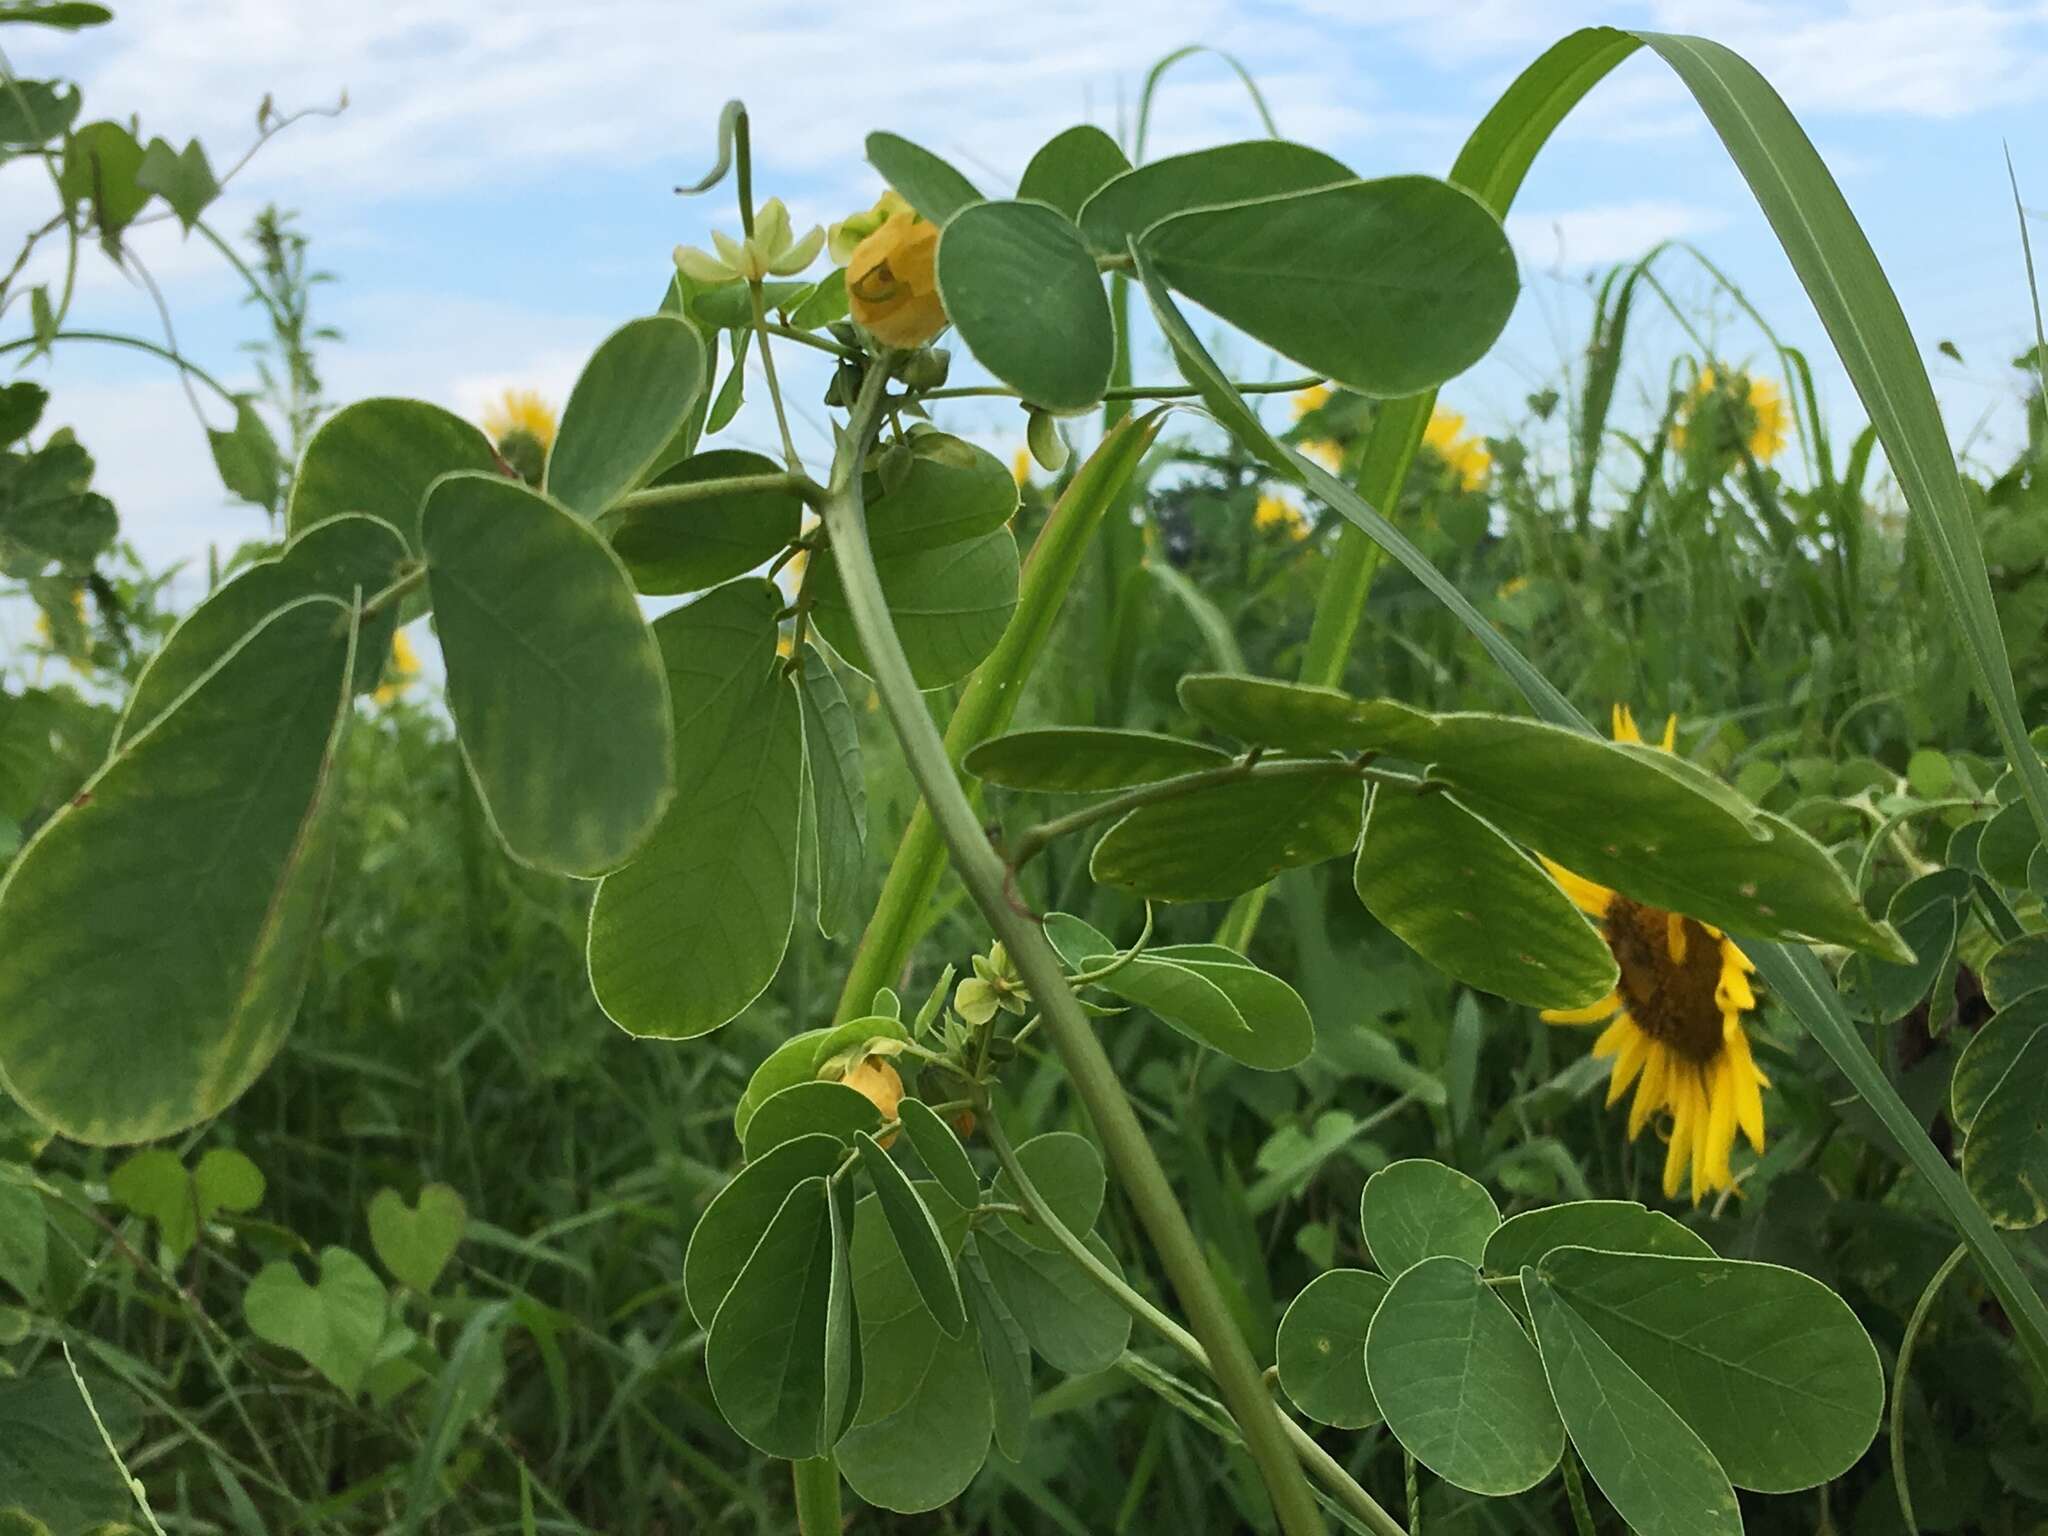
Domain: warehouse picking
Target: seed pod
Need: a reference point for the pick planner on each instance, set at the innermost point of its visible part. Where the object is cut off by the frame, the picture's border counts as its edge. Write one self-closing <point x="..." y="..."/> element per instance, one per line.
<point x="1047" y="446"/>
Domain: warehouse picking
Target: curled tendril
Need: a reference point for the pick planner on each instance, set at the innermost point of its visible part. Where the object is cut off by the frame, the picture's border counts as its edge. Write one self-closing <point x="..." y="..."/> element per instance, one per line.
<point x="1089" y="978"/>
<point x="730" y="121"/>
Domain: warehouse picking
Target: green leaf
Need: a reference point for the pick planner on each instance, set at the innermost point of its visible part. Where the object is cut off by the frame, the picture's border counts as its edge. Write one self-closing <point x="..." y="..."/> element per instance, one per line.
<point x="1075" y="1325"/>
<point x="1220" y="842"/>
<point x="917" y="1237"/>
<point x="898" y="1334"/>
<point x="1127" y="207"/>
<point x="926" y="182"/>
<point x="101" y="164"/>
<point x="733" y="1224"/>
<point x="1005" y="1356"/>
<point x="34" y="112"/>
<point x="1071" y="167"/>
<point x="1293" y="717"/>
<point x="49" y="515"/>
<point x="154" y="1185"/>
<point x="21" y="407"/>
<point x="730" y="306"/>
<point x="686" y="936"/>
<point x="1321" y="1348"/>
<point x="1067" y="1172"/>
<point x="825" y="303"/>
<point x="24" y="1240"/>
<point x="554" y="679"/>
<point x="183" y="179"/>
<point x="2015" y="969"/>
<point x="2005" y="1159"/>
<point x="1927" y="914"/>
<point x="1057" y="349"/>
<point x="1991" y="1053"/>
<point x="66" y="15"/>
<point x="766" y="1354"/>
<point x="339" y="558"/>
<point x="1279" y="1032"/>
<point x="1659" y="1475"/>
<point x="415" y="1242"/>
<point x="335" y="1326"/>
<point x="951" y="491"/>
<point x="838" y="789"/>
<point x="200" y="852"/>
<point x="806" y="1108"/>
<point x="925" y="1453"/>
<point x="52" y="1460"/>
<point x="632" y="398"/>
<point x="1386" y="286"/>
<point x="1768" y="1366"/>
<point x="1459" y="1382"/>
<point x="950" y="604"/>
<point x="800" y="1058"/>
<point x="379" y="457"/>
<point x="1180" y="995"/>
<point x="732" y="393"/>
<point x="1475" y="906"/>
<point x="1083" y="760"/>
<point x="248" y="459"/>
<point x="1417" y="1209"/>
<point x="1618" y="1226"/>
<point x="693" y="545"/>
<point x="941" y="1152"/>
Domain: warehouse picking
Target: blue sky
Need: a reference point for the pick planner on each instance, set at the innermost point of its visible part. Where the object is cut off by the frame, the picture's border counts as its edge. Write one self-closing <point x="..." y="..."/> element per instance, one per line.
<point x="496" y="196"/>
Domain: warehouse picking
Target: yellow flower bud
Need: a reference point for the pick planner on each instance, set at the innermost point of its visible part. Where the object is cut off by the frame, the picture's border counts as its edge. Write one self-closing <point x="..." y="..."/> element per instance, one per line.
<point x="892" y="282"/>
<point x="848" y="233"/>
<point x="877" y="1082"/>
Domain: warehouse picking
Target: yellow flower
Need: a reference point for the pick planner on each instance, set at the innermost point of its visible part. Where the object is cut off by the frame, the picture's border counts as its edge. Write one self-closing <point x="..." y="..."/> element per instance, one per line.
<point x="1020" y="467"/>
<point x="400" y="672"/>
<point x="845" y="237"/>
<point x="877" y="1082"/>
<point x="892" y="283"/>
<point x="520" y="410"/>
<point x="1755" y="411"/>
<point x="1275" y="512"/>
<point x="1314" y="398"/>
<point x="1674" y="1024"/>
<point x="1465" y="457"/>
<point x="772" y="250"/>
<point x="1324" y="452"/>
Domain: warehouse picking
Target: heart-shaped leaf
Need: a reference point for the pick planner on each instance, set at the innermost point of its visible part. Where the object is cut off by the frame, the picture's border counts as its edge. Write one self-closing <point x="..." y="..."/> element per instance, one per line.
<point x="415" y="1242"/>
<point x="336" y="1325"/>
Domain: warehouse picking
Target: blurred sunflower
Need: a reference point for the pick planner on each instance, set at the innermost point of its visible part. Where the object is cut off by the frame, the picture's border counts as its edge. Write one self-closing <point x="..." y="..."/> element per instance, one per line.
<point x="1277" y="514"/>
<point x="1323" y="450"/>
<point x="1674" y="1024"/>
<point x="1465" y="457"/>
<point x="521" y="425"/>
<point x="400" y="672"/>
<point x="1733" y="408"/>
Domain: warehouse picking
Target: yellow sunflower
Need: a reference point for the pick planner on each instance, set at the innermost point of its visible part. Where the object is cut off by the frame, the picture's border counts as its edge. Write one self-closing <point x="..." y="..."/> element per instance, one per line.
<point x="1278" y="514"/>
<point x="1465" y="457"/>
<point x="1754" y="409"/>
<point x="521" y="425"/>
<point x="1674" y="1024"/>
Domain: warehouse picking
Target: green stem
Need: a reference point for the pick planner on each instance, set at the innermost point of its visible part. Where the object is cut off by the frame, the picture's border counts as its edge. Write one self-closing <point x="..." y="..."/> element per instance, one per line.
<point x="1907" y="1344"/>
<point x="989" y="700"/>
<point x="1033" y="840"/>
<point x="1326" y="1468"/>
<point x="817" y="1496"/>
<point x="1412" y="1487"/>
<point x="114" y="339"/>
<point x="1575" y="1491"/>
<point x="658" y="496"/>
<point x="1125" y="391"/>
<point x="1088" y="1066"/>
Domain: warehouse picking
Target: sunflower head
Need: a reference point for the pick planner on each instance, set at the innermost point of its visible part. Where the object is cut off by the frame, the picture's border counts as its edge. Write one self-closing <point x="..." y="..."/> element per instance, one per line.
<point x="1727" y="410"/>
<point x="1276" y="514"/>
<point x="1674" y="1024"/>
<point x="1465" y="457"/>
<point x="521" y="425"/>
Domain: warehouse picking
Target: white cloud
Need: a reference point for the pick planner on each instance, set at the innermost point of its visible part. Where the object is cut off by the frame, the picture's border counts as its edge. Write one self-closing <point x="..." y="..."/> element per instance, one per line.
<point x="1605" y="232"/>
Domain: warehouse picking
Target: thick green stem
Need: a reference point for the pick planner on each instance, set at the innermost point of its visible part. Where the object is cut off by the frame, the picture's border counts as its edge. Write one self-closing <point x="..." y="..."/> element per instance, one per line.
<point x="1065" y="1022"/>
<point x="817" y="1496"/>
<point x="988" y="702"/>
<point x="656" y="496"/>
<point x="1328" y="1471"/>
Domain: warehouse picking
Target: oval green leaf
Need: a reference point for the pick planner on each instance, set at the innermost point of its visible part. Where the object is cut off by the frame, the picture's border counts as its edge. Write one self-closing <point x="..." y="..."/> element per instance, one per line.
<point x="1320" y="1351"/>
<point x="805" y="1108"/>
<point x="799" y="1058"/>
<point x="1387" y="287"/>
<point x="898" y="1333"/>
<point x="199" y="855"/>
<point x="925" y="1453"/>
<point x="554" y="681"/>
<point x="952" y="491"/>
<point x="1660" y="1476"/>
<point x="1072" y="167"/>
<point x="1768" y="1366"/>
<point x="1294" y="717"/>
<point x="732" y="1225"/>
<point x="1084" y="760"/>
<point x="941" y="1152"/>
<point x="1056" y="350"/>
<point x="2016" y="968"/>
<point x="1066" y="1171"/>
<point x="1991" y="1053"/>
<point x="926" y="182"/>
<point x="689" y="546"/>
<point x="2005" y="1159"/>
<point x="689" y="933"/>
<point x="917" y="1237"/>
<point x="1460" y="1383"/>
<point x="1279" y="1032"/>
<point x="1221" y="842"/>
<point x="838" y="792"/>
<point x="1617" y="1226"/>
<point x="632" y="398"/>
<point x="1076" y="1326"/>
<point x="1475" y="906"/>
<point x="379" y="457"/>
<point x="951" y="605"/>
<point x="1229" y="173"/>
<point x="1417" y="1209"/>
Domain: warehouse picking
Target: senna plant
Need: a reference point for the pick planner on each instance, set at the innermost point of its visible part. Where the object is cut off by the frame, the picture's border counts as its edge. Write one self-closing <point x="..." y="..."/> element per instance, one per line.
<point x="883" y="1275"/>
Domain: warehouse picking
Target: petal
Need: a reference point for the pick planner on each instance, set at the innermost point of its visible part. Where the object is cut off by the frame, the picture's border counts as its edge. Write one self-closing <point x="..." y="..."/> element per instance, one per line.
<point x="701" y="266"/>
<point x="1721" y="1102"/>
<point x="731" y="250"/>
<point x="1593" y="1013"/>
<point x="1749" y="1098"/>
<point x="1674" y="936"/>
<point x="771" y="226"/>
<point x="1587" y="895"/>
<point x="1614" y="1036"/>
<point x="1634" y="1052"/>
<point x="1625" y="725"/>
<point x="1650" y="1092"/>
<point x="1677" y="1154"/>
<point x="1670" y="732"/>
<point x="800" y="255"/>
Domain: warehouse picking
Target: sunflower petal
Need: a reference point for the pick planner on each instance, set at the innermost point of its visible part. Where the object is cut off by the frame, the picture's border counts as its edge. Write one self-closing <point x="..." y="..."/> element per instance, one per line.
<point x="1588" y="896"/>
<point x="1635" y="1050"/>
<point x="1593" y="1013"/>
<point x="1650" y="1093"/>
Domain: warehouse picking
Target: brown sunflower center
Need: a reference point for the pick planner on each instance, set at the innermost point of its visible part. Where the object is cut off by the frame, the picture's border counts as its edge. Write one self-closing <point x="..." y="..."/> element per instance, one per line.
<point x="1670" y="996"/>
